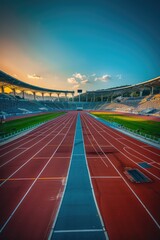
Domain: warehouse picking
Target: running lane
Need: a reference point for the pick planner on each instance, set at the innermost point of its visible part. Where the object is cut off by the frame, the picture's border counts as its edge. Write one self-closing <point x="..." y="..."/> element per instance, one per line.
<point x="129" y="210"/>
<point x="78" y="217"/>
<point x="33" y="185"/>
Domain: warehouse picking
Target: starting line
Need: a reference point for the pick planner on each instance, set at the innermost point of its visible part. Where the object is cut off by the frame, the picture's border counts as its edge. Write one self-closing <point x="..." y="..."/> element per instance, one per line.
<point x="78" y="217"/>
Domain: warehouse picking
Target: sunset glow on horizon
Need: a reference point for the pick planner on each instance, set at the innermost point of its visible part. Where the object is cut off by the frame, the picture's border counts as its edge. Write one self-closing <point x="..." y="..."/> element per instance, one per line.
<point x="66" y="45"/>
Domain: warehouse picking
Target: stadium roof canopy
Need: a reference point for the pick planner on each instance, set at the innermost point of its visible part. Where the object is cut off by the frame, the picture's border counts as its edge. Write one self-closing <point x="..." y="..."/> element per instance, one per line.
<point x="155" y="82"/>
<point x="13" y="83"/>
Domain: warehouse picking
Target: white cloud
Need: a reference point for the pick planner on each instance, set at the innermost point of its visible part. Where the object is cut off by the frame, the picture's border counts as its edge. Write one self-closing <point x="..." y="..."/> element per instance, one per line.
<point x="79" y="76"/>
<point x="84" y="81"/>
<point x="104" y="78"/>
<point x="119" y="76"/>
<point x="93" y="75"/>
<point x="34" y="76"/>
<point x="72" y="80"/>
<point x="76" y="86"/>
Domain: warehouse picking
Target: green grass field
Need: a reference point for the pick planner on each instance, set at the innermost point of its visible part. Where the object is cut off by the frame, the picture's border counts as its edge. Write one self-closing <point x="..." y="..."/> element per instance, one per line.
<point x="133" y="123"/>
<point x="17" y="125"/>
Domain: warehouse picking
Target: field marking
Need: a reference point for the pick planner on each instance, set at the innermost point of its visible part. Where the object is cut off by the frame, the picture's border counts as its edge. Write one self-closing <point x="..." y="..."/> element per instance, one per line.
<point x="29" y="148"/>
<point x="65" y="185"/>
<point x="125" y="148"/>
<point x="79" y="124"/>
<point x="154" y="165"/>
<point x="30" y="159"/>
<point x="141" y="159"/>
<point x="29" y="189"/>
<point x="115" y="132"/>
<point x="48" y="157"/>
<point x="140" y="201"/>
<point x="93" y="193"/>
<point x="106" y="139"/>
<point x="21" y="148"/>
<point x="29" y="135"/>
<point x="101" y="157"/>
<point x="31" y="179"/>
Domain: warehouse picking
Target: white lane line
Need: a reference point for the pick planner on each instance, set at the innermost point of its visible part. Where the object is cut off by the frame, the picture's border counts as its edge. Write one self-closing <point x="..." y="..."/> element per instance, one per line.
<point x="93" y="193"/>
<point x="55" y="219"/>
<point x="106" y="139"/>
<point x="141" y="160"/>
<point x="154" y="165"/>
<point x="11" y="215"/>
<point x="144" y="156"/>
<point x="48" y="157"/>
<point x="29" y="147"/>
<point x="115" y="132"/>
<point x="101" y="157"/>
<point x="79" y="230"/>
<point x="22" y="148"/>
<point x="29" y="159"/>
<point x="29" y="135"/>
<point x="143" y="205"/>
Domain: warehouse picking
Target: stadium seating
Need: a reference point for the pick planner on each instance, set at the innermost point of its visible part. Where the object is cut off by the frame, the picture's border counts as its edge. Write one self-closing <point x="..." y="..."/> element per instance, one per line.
<point x="12" y="105"/>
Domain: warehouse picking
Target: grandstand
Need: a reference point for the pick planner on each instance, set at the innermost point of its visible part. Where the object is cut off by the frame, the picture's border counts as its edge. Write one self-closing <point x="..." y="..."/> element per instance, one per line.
<point x="143" y="98"/>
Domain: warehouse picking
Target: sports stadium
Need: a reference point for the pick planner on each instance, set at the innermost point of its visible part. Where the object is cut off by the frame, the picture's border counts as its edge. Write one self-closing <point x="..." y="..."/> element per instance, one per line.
<point x="79" y="120"/>
<point x="79" y="167"/>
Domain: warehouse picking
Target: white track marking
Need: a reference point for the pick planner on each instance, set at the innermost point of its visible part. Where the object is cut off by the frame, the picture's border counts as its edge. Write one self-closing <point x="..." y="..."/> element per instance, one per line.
<point x="30" y="147"/>
<point x="29" y="189"/>
<point x="138" y="157"/>
<point x="101" y="157"/>
<point x="28" y="135"/>
<point x="29" y="159"/>
<point x="103" y="227"/>
<point x="115" y="132"/>
<point x="139" y="200"/>
<point x="144" y="156"/>
<point x="158" y="178"/>
<point x="55" y="219"/>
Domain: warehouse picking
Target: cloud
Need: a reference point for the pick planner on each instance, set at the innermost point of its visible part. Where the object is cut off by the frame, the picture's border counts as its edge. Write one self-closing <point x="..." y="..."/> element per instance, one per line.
<point x="76" y="86"/>
<point x="84" y="81"/>
<point x="72" y="80"/>
<point x="104" y="78"/>
<point x="119" y="76"/>
<point x="77" y="79"/>
<point x="34" y="76"/>
<point x="93" y="75"/>
<point x="79" y="76"/>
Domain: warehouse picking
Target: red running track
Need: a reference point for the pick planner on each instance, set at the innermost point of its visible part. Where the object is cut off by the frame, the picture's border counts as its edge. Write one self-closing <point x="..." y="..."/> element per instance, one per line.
<point x="129" y="210"/>
<point x="33" y="171"/>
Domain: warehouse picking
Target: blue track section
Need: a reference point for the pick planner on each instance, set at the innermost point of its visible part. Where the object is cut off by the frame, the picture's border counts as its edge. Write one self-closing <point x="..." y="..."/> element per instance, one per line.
<point x="78" y="217"/>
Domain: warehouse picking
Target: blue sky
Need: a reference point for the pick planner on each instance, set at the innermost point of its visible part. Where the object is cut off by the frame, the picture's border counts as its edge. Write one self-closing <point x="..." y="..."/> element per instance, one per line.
<point x="73" y="44"/>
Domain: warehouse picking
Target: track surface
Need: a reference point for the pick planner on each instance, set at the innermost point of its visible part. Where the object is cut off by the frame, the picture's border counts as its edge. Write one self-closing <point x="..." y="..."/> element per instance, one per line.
<point x="33" y="171"/>
<point x="78" y="217"/>
<point x="129" y="210"/>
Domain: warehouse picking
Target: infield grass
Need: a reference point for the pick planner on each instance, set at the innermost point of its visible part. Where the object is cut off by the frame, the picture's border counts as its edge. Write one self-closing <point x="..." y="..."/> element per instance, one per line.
<point x="135" y="123"/>
<point x="11" y="127"/>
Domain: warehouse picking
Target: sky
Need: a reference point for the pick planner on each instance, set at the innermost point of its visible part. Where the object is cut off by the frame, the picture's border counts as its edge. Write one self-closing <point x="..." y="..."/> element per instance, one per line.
<point x="80" y="44"/>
